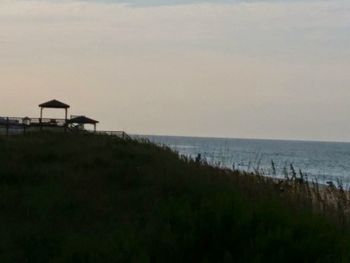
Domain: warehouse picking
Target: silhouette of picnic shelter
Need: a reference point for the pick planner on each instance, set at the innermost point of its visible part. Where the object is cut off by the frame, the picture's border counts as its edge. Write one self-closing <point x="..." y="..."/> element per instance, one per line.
<point x="82" y="120"/>
<point x="54" y="104"/>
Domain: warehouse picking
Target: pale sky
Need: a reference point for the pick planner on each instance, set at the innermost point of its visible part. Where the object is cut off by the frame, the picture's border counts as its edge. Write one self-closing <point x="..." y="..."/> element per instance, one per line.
<point x="243" y="69"/>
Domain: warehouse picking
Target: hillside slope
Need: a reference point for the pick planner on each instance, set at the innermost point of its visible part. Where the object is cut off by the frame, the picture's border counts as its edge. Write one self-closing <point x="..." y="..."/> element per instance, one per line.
<point x="85" y="198"/>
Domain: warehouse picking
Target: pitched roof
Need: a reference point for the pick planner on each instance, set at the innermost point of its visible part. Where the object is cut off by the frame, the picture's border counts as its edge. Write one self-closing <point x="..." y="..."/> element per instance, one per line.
<point x="82" y="120"/>
<point x="54" y="104"/>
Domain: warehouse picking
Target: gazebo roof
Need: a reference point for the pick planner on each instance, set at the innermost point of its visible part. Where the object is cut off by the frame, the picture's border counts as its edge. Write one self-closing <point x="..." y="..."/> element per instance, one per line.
<point x="82" y="120"/>
<point x="54" y="104"/>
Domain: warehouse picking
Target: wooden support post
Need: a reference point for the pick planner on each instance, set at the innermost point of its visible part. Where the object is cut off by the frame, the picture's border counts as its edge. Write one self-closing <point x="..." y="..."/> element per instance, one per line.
<point x="7" y="126"/>
<point x="41" y="118"/>
<point x="65" y="120"/>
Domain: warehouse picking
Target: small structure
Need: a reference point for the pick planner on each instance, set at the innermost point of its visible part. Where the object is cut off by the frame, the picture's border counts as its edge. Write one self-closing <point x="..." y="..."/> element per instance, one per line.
<point x="21" y="125"/>
<point x="82" y="120"/>
<point x="54" y="104"/>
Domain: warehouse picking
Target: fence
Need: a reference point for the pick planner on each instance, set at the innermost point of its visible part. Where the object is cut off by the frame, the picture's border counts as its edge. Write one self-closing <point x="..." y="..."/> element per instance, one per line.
<point x="17" y="125"/>
<point x="119" y="134"/>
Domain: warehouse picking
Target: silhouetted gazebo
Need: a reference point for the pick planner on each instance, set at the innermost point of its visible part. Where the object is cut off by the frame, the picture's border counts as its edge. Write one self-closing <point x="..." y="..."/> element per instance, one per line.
<point x="81" y="120"/>
<point x="54" y="104"/>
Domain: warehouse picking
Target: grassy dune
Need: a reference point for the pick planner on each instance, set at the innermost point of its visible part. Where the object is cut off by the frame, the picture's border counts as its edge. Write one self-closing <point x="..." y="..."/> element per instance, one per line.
<point x="71" y="198"/>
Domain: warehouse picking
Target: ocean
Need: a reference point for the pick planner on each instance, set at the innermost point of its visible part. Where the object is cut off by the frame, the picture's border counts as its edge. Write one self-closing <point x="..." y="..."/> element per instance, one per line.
<point x="321" y="161"/>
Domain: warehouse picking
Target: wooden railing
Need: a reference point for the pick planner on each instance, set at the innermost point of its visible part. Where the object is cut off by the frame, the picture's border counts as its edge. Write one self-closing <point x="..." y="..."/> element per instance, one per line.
<point x="17" y="125"/>
<point x="119" y="134"/>
<point x="17" y="121"/>
<point x="47" y="122"/>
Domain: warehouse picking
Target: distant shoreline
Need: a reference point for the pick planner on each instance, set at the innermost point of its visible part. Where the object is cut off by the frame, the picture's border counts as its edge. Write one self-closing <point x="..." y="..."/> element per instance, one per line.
<point x="248" y="138"/>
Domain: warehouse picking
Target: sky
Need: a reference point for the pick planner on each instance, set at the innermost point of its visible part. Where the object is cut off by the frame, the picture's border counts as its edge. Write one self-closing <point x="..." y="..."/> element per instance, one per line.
<point x="276" y="69"/>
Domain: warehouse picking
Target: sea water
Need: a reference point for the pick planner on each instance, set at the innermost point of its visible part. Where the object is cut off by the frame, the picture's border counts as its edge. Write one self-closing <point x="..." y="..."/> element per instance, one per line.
<point x="324" y="161"/>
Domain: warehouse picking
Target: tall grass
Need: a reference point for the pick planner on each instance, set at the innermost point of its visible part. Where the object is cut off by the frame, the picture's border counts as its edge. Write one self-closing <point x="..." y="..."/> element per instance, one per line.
<point x="86" y="198"/>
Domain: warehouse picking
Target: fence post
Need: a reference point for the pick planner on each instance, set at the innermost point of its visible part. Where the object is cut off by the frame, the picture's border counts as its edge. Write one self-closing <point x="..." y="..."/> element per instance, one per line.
<point x="7" y="126"/>
<point x="41" y="124"/>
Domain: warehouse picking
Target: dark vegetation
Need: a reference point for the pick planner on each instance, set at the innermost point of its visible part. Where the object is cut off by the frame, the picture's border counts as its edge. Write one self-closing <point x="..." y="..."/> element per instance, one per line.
<point x="86" y="198"/>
